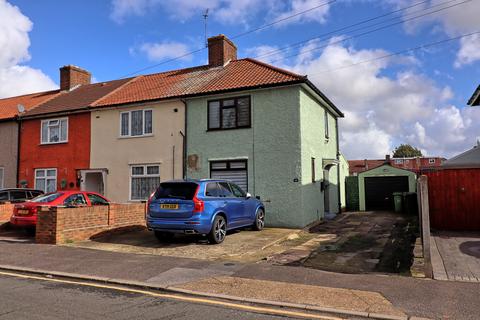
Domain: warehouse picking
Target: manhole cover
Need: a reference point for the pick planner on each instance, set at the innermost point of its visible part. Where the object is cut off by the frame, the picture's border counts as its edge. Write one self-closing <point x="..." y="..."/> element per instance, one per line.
<point x="472" y="248"/>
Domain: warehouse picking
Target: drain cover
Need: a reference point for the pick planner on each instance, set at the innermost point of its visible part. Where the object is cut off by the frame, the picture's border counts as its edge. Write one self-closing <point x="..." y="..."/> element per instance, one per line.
<point x="229" y="264"/>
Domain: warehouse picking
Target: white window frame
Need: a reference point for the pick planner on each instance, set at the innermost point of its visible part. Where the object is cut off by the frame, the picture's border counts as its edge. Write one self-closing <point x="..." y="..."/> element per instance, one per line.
<point x="144" y="175"/>
<point x="398" y="161"/>
<point x="129" y="135"/>
<point x="431" y="161"/>
<point x="2" y="180"/>
<point x="45" y="177"/>
<point x="48" y="131"/>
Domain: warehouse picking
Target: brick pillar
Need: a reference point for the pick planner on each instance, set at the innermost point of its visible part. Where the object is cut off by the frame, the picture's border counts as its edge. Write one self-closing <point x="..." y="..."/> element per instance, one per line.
<point x="46" y="225"/>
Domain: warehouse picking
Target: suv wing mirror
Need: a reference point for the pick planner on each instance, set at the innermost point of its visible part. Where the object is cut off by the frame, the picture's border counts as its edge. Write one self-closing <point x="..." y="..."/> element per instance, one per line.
<point x="248" y="196"/>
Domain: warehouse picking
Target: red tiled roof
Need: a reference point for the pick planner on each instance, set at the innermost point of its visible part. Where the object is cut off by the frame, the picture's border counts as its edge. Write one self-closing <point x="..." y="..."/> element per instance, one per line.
<point x="81" y="98"/>
<point x="8" y="106"/>
<point x="238" y="74"/>
<point x="357" y="166"/>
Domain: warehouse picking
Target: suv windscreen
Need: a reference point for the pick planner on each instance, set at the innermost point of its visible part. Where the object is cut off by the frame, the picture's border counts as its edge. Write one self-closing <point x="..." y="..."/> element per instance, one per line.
<point x="49" y="197"/>
<point x="176" y="190"/>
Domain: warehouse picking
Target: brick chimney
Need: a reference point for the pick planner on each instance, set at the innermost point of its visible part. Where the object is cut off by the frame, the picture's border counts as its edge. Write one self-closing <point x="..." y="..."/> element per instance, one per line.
<point x="71" y="76"/>
<point x="220" y="51"/>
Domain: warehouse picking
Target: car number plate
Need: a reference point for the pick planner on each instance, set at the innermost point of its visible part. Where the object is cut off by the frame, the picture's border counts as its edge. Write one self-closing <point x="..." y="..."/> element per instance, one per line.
<point x="169" y="206"/>
<point x="22" y="212"/>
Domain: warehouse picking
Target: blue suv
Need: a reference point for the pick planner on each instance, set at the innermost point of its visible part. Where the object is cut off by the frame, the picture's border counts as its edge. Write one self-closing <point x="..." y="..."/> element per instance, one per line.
<point x="207" y="207"/>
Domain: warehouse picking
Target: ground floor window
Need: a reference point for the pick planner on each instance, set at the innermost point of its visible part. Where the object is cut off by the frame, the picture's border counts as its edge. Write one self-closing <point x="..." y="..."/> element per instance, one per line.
<point x="231" y="170"/>
<point x="144" y="180"/>
<point x="1" y="178"/>
<point x="46" y="180"/>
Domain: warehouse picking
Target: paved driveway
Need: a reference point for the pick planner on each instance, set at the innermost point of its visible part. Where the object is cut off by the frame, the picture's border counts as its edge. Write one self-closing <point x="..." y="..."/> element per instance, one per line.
<point x="239" y="245"/>
<point x="456" y="256"/>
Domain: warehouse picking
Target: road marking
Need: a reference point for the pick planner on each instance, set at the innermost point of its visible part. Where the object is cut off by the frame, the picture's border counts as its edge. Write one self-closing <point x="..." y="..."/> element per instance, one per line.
<point x="179" y="297"/>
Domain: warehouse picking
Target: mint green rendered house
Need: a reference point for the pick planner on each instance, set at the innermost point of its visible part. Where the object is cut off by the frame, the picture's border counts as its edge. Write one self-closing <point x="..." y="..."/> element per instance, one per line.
<point x="272" y="132"/>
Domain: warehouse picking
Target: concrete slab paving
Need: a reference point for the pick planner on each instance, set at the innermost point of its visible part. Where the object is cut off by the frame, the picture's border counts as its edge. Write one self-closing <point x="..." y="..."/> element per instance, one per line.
<point x="239" y="245"/>
<point x="456" y="256"/>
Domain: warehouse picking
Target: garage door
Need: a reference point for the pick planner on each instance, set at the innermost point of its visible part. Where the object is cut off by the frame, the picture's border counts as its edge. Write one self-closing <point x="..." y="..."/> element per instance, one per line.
<point x="234" y="171"/>
<point x="379" y="191"/>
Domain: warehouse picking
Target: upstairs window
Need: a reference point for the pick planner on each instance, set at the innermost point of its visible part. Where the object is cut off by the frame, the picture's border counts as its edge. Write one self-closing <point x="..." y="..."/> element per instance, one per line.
<point x="136" y="123"/>
<point x="229" y="113"/>
<point x="54" y="131"/>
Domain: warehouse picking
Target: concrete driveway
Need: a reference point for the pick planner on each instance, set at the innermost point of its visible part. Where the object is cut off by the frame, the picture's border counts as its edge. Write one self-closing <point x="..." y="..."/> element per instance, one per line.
<point x="456" y="256"/>
<point x="239" y="245"/>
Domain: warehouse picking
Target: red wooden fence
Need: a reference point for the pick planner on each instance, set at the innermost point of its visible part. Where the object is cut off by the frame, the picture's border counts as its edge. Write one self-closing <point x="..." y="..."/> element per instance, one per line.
<point x="454" y="199"/>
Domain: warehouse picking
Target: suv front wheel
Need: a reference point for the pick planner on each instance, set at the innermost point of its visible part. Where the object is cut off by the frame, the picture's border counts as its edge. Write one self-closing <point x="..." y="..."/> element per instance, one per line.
<point x="219" y="230"/>
<point x="259" y="220"/>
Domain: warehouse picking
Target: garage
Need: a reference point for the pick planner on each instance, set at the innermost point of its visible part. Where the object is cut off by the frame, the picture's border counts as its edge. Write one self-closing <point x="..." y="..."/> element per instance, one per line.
<point x="379" y="191"/>
<point x="233" y="170"/>
<point x="376" y="186"/>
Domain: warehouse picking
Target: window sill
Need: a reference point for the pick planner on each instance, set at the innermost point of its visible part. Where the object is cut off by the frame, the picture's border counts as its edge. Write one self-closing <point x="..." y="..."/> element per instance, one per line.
<point x="226" y="129"/>
<point x="50" y="143"/>
<point x="133" y="137"/>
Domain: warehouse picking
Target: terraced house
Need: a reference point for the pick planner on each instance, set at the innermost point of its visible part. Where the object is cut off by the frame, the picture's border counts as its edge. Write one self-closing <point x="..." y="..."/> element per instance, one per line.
<point x="269" y="130"/>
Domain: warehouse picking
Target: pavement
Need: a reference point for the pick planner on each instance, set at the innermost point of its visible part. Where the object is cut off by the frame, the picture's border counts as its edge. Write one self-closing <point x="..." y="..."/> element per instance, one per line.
<point x="396" y="297"/>
<point x="456" y="256"/>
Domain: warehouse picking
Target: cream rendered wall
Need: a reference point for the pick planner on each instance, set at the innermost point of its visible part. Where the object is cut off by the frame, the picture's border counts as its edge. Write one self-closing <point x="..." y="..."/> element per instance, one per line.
<point x="344" y="172"/>
<point x="110" y="151"/>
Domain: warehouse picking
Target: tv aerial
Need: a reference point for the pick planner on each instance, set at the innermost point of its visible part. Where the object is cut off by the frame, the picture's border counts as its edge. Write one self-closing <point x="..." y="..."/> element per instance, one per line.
<point x="205" y="18"/>
<point x="20" y="108"/>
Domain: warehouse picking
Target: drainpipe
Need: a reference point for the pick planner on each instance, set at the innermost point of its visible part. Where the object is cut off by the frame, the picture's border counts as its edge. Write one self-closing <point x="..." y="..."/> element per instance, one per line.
<point x="19" y="121"/>
<point x="338" y="168"/>
<point x="184" y="135"/>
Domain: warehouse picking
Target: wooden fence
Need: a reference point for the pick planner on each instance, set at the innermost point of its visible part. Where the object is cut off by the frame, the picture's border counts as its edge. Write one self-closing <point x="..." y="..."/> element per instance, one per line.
<point x="454" y="199"/>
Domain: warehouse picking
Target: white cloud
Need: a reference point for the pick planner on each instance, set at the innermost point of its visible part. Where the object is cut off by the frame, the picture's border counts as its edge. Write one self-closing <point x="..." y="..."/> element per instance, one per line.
<point x="164" y="50"/>
<point x="17" y="79"/>
<point x="265" y="53"/>
<point x="469" y="50"/>
<point x="229" y="12"/>
<point x="454" y="21"/>
<point x="319" y="14"/>
<point x="383" y="111"/>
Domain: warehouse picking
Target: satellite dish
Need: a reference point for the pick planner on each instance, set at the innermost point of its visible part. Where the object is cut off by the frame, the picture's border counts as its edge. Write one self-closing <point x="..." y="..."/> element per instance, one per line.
<point x="21" y="108"/>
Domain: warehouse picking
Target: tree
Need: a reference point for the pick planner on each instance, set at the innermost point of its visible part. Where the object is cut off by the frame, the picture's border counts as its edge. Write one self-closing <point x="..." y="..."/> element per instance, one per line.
<point x="406" y="150"/>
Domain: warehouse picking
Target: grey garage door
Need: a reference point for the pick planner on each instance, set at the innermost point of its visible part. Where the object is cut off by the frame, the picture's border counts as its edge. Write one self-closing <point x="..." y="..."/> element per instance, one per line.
<point x="233" y="170"/>
<point x="379" y="191"/>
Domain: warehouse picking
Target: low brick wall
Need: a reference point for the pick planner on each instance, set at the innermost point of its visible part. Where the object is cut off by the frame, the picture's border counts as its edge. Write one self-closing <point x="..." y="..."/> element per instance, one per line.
<point x="60" y="225"/>
<point x="6" y="211"/>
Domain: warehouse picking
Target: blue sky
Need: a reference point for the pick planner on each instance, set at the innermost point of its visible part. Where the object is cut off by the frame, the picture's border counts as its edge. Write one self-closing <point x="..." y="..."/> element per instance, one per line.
<point x="417" y="97"/>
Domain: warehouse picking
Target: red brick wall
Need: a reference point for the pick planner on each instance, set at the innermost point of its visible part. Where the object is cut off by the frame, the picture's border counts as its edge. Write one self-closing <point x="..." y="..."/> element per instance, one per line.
<point x="6" y="211"/>
<point x="60" y="225"/>
<point x="67" y="158"/>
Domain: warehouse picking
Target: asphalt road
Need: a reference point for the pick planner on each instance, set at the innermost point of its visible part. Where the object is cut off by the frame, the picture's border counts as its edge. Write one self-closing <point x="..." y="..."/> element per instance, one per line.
<point x="38" y="299"/>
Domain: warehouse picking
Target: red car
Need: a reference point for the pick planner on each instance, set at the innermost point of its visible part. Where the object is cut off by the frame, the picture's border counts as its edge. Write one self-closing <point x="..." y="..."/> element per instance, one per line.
<point x="25" y="214"/>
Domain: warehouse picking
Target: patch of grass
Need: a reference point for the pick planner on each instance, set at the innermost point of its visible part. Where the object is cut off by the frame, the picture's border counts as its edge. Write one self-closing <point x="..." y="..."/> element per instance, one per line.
<point x="69" y="241"/>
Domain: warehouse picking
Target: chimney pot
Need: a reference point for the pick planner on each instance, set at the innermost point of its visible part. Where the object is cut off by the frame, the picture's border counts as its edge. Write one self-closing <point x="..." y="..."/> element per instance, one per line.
<point x="220" y="51"/>
<point x="71" y="76"/>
